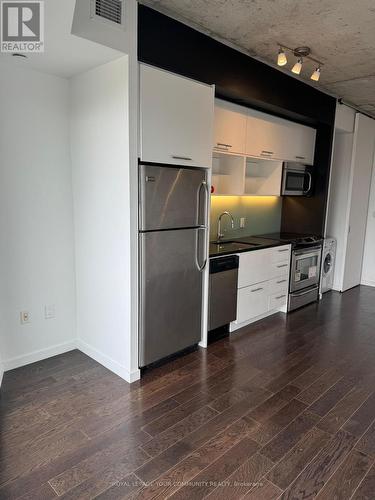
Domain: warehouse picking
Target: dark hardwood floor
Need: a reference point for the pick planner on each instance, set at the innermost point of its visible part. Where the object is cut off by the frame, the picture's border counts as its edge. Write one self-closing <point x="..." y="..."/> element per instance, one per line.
<point x="283" y="409"/>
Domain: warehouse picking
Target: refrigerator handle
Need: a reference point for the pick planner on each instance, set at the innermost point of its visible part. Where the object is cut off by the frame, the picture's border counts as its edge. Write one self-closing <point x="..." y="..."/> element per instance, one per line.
<point x="203" y="185"/>
<point x="200" y="267"/>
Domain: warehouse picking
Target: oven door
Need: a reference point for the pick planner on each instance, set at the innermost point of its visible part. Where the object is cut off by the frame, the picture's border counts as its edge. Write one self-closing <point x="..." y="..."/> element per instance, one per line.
<point x="296" y="182"/>
<point x="305" y="268"/>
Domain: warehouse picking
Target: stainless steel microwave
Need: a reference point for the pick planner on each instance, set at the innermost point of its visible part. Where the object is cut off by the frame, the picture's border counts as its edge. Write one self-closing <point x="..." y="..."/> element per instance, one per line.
<point x="297" y="180"/>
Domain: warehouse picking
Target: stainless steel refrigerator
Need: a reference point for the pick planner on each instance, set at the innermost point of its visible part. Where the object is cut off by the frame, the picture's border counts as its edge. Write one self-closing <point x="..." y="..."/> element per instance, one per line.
<point x="172" y="244"/>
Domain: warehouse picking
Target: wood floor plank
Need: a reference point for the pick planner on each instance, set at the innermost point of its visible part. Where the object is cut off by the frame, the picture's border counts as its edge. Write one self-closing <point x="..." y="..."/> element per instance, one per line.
<point x="348" y="476"/>
<point x="192" y="465"/>
<point x="366" y="489"/>
<point x="362" y="418"/>
<point x="202" y="484"/>
<point x="343" y="410"/>
<point x="284" y="473"/>
<point x="265" y="491"/>
<point x="278" y="421"/>
<point x="178" y="431"/>
<point x="288" y="438"/>
<point x="165" y="460"/>
<point x="329" y="399"/>
<point x="273" y="404"/>
<point x="245" y="478"/>
<point x="313" y="478"/>
<point x="367" y="442"/>
<point x="94" y="464"/>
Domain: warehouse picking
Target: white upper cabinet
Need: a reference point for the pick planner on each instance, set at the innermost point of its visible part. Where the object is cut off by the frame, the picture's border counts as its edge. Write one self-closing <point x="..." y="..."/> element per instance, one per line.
<point x="268" y="136"/>
<point x="230" y="127"/>
<point x="176" y="119"/>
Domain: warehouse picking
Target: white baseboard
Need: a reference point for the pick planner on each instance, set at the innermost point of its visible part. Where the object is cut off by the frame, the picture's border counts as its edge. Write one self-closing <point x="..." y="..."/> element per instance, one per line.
<point x="32" y="357"/>
<point x="368" y="283"/>
<point x="109" y="363"/>
<point x="237" y="326"/>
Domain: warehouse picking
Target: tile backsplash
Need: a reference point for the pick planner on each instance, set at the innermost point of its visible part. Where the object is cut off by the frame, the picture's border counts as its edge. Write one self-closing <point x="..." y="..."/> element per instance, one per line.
<point x="262" y="214"/>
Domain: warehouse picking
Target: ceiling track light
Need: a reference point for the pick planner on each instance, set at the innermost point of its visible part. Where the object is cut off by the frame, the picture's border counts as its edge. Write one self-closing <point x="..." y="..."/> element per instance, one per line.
<point x="316" y="75"/>
<point x="281" y="57"/>
<point x="301" y="53"/>
<point x="298" y="66"/>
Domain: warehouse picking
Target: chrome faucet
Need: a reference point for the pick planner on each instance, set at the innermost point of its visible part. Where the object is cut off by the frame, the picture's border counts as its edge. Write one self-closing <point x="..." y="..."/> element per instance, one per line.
<point x="219" y="233"/>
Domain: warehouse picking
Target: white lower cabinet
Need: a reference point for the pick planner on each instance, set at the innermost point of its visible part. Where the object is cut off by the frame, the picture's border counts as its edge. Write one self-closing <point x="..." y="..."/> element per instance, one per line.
<point x="252" y="301"/>
<point x="263" y="284"/>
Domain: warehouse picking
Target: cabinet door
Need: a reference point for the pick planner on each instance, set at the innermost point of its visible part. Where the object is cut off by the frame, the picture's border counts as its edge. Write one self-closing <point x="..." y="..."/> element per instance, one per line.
<point x="252" y="301"/>
<point x="268" y="136"/>
<point x="302" y="143"/>
<point x="254" y="267"/>
<point x="176" y="119"/>
<point x="265" y="136"/>
<point x="230" y="127"/>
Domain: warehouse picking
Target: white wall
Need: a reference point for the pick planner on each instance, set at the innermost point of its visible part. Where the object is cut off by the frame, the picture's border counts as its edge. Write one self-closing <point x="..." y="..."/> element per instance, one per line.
<point x="368" y="269"/>
<point x="338" y="200"/>
<point x="100" y="164"/>
<point x="36" y="219"/>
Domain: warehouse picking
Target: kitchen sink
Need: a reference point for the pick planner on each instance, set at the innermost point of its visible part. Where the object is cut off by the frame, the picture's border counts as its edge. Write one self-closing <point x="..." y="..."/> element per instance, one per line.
<point x="232" y="246"/>
<point x="234" y="242"/>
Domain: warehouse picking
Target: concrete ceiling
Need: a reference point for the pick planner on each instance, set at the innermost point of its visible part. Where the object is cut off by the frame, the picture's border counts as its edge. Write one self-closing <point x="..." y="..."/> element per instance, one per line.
<point x="65" y="55"/>
<point x="340" y="33"/>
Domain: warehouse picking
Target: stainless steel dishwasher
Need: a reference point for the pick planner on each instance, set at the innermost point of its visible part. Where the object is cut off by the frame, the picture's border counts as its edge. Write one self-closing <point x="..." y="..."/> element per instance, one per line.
<point x="222" y="291"/>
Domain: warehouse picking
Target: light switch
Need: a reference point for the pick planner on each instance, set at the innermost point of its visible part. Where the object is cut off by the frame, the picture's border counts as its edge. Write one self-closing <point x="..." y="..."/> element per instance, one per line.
<point x="49" y="311"/>
<point x="242" y="222"/>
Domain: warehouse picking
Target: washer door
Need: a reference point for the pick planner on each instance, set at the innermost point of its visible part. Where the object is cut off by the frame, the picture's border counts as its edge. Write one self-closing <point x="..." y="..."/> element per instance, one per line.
<point x="327" y="264"/>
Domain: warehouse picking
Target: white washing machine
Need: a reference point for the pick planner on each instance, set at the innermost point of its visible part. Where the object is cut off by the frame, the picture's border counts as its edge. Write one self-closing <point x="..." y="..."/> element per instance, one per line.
<point x="328" y="264"/>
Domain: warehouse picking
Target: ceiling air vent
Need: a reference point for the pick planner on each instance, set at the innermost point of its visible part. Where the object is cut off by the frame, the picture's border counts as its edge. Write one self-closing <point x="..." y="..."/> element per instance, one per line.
<point x="110" y="10"/>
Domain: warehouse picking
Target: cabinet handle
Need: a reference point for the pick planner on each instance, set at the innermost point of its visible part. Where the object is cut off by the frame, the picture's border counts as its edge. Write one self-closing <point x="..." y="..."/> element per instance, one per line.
<point x="300" y="157"/>
<point x="282" y="265"/>
<point x="264" y="152"/>
<point x="280" y="297"/>
<point x="224" y="145"/>
<point x="182" y="158"/>
<point x="284" y="250"/>
<point x="257" y="289"/>
<point x="281" y="281"/>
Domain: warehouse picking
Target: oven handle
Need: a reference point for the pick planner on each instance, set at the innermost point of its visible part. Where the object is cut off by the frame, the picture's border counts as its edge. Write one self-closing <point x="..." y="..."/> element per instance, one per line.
<point x="310" y="183"/>
<point x="305" y="292"/>
<point x="307" y="252"/>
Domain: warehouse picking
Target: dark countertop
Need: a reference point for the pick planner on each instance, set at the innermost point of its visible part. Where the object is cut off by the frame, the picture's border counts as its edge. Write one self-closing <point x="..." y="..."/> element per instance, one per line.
<point x="246" y="244"/>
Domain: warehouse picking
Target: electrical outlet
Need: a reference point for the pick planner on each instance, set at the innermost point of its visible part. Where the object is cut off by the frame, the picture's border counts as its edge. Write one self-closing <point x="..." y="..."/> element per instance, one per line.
<point x="242" y="222"/>
<point x="49" y="311"/>
<point x="25" y="317"/>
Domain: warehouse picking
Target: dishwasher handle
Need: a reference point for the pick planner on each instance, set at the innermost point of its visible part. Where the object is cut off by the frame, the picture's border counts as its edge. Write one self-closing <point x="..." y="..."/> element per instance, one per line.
<point x="221" y="264"/>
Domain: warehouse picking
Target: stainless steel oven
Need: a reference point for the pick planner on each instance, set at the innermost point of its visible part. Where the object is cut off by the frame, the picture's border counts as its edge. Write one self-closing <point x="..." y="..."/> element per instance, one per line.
<point x="297" y="180"/>
<point x="304" y="276"/>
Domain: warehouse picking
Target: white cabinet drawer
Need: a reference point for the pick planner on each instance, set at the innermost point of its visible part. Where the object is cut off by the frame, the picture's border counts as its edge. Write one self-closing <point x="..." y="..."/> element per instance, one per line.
<point x="280" y="284"/>
<point x="277" y="269"/>
<point x="277" y="300"/>
<point x="261" y="265"/>
<point x="281" y="254"/>
<point x="252" y="301"/>
<point x="254" y="267"/>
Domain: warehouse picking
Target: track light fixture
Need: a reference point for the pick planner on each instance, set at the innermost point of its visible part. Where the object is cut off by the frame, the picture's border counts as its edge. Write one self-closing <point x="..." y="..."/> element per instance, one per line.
<point x="300" y="53"/>
<point x="316" y="75"/>
<point x="298" y="66"/>
<point x="281" y="57"/>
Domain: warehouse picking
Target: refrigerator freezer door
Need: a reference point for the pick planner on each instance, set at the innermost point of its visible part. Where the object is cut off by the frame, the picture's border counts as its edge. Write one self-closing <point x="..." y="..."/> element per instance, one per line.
<point x="171" y="292"/>
<point x="172" y="197"/>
